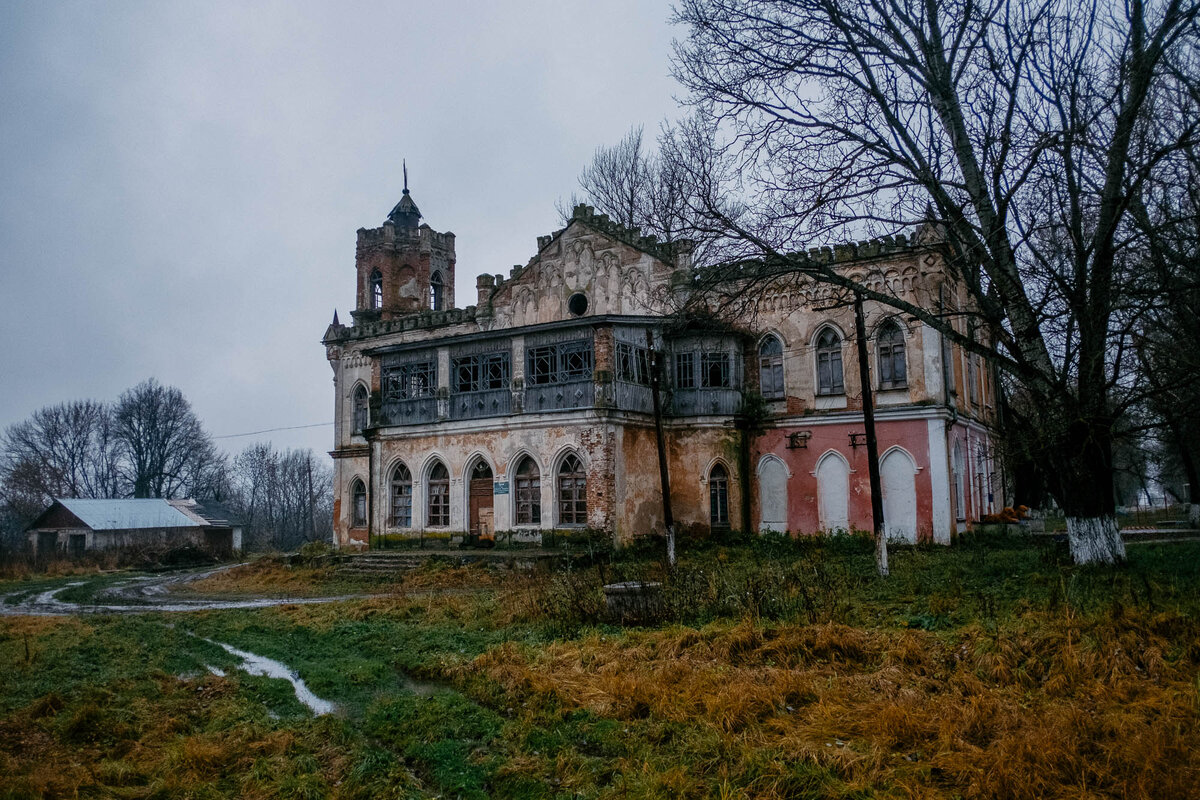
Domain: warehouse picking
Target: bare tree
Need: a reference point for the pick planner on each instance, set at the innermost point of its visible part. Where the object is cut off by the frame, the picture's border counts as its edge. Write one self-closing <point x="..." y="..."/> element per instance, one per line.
<point x="67" y="450"/>
<point x="165" y="450"/>
<point x="1010" y="122"/>
<point x="285" y="498"/>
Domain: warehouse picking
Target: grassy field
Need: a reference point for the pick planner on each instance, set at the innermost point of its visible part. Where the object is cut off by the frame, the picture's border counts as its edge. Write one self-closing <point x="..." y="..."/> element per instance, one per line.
<point x="992" y="669"/>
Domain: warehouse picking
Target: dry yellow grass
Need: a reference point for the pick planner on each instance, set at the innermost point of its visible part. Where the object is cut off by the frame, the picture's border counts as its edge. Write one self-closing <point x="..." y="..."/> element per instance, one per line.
<point x="1052" y="708"/>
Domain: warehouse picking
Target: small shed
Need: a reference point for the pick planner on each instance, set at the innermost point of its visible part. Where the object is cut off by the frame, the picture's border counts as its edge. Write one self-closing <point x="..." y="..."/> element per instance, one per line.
<point x="73" y="527"/>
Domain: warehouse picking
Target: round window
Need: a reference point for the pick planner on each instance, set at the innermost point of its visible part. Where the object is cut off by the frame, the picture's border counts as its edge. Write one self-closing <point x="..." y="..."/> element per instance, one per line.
<point x="577" y="305"/>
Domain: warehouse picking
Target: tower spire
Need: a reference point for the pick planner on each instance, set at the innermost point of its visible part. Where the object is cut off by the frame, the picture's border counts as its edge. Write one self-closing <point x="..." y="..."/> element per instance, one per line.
<point x="405" y="163"/>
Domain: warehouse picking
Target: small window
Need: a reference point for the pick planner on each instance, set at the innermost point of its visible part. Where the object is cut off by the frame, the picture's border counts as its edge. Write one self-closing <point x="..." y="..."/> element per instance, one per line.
<point x="685" y="370"/>
<point x="559" y="363"/>
<point x="439" y="497"/>
<point x="410" y="381"/>
<point x="376" y="289"/>
<point x="436" y="291"/>
<point x="633" y="364"/>
<point x="715" y="371"/>
<point x="401" y="497"/>
<point x="770" y="368"/>
<point x="718" y="497"/>
<point x="358" y="497"/>
<point x="362" y="409"/>
<point x="481" y="373"/>
<point x="572" y="492"/>
<point x="578" y="304"/>
<point x="829" y="363"/>
<point x="529" y="493"/>
<point x="893" y="372"/>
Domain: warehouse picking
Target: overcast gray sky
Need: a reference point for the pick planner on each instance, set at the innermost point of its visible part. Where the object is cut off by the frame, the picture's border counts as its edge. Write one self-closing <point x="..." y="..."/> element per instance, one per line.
<point x="181" y="182"/>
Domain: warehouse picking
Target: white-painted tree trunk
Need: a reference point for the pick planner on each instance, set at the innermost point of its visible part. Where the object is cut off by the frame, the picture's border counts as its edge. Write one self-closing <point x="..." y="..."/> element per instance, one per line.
<point x="1095" y="540"/>
<point x="1194" y="515"/>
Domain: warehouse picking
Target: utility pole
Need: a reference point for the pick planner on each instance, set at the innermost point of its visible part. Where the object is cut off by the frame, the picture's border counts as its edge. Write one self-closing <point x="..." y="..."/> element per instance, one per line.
<point x="864" y="376"/>
<point x="664" y="479"/>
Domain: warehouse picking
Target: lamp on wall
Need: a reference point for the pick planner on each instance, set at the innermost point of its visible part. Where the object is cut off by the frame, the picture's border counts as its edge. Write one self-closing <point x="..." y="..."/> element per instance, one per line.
<point x="798" y="440"/>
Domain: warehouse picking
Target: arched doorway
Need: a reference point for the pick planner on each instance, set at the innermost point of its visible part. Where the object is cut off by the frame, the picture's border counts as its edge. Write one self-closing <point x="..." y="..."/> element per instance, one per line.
<point x="833" y="492"/>
<point x="897" y="473"/>
<point x="479" y="501"/>
<point x="772" y="495"/>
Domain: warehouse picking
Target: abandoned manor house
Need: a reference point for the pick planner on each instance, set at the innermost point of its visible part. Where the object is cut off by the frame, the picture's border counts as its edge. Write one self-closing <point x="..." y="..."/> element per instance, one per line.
<point x="533" y="409"/>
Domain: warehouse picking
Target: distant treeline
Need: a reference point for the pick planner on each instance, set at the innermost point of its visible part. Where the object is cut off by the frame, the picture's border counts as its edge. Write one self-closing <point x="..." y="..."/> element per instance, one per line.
<point x="150" y="443"/>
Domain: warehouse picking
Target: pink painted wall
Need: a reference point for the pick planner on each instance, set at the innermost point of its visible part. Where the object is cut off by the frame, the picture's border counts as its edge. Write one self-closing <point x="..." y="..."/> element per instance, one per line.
<point x="912" y="435"/>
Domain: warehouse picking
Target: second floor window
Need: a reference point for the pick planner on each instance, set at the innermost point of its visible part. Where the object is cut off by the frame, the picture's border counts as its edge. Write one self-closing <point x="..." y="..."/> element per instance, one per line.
<point x="715" y="371"/>
<point x="410" y="381"/>
<point x="685" y="370"/>
<point x="893" y="371"/>
<point x="829" y="363"/>
<point x="362" y="409"/>
<point x="481" y="372"/>
<point x="770" y="367"/>
<point x="559" y="363"/>
<point x="633" y="364"/>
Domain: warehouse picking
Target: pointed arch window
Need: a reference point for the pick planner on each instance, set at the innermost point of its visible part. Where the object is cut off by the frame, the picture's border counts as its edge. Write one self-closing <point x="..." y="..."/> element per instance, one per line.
<point x="770" y="367"/>
<point x="829" y="363"/>
<point x="893" y="370"/>
<point x="376" y="289"/>
<point x="358" y="504"/>
<point x="572" y="492"/>
<point x="529" y="493"/>
<point x="362" y="409"/>
<point x="718" y="496"/>
<point x="437" y="289"/>
<point x="401" y="497"/>
<point x="438" y="515"/>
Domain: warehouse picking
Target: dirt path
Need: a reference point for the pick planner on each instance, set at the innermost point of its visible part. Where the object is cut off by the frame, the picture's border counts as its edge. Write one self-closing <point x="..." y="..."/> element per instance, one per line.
<point x="140" y="595"/>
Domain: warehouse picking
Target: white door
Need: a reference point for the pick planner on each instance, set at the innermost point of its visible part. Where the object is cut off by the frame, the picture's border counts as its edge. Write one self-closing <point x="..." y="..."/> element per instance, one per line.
<point x="897" y="473"/>
<point x="833" y="493"/>
<point x="772" y="495"/>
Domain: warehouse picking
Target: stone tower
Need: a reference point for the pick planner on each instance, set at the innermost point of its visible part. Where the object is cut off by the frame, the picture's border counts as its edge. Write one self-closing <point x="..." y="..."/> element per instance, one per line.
<point x="404" y="266"/>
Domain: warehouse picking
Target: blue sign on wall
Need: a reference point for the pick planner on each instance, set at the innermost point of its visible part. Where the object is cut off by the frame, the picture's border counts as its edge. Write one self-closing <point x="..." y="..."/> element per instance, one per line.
<point x="500" y="487"/>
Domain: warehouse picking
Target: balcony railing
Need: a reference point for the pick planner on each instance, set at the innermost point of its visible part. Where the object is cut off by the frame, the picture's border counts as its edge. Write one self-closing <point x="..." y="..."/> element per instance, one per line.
<point x="485" y="403"/>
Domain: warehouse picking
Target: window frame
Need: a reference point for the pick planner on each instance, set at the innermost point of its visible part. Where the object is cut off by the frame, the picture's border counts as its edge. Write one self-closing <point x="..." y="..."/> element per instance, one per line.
<point x="722" y="361"/>
<point x="718" y="496"/>
<point x="571" y="492"/>
<point x="483" y="372"/>
<point x="891" y="351"/>
<point x="358" y="504"/>
<point x="560" y="362"/>
<point x="770" y="368"/>
<point x="437" y="291"/>
<point x="360" y="410"/>
<point x="401" y="505"/>
<point x="411" y="381"/>
<point x="828" y="354"/>
<point x="527" y="493"/>
<point x="437" y="497"/>
<point x="375" y="290"/>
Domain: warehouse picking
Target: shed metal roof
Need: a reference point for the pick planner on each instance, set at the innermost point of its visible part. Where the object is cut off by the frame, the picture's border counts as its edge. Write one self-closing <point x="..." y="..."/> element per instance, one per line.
<point x="109" y="515"/>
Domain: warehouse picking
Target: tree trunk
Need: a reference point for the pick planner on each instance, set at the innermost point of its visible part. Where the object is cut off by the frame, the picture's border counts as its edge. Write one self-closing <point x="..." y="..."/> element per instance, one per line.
<point x="1086" y="492"/>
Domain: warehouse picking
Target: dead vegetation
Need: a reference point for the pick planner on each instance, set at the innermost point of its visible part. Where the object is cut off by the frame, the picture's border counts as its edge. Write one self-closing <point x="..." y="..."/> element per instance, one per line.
<point x="1052" y="707"/>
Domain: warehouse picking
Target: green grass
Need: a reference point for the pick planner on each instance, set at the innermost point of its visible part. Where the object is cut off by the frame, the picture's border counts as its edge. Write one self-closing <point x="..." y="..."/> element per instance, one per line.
<point x="780" y="669"/>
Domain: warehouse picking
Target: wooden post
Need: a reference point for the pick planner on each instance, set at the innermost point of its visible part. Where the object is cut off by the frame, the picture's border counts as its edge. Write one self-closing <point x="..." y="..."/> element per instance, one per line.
<point x="664" y="478"/>
<point x="864" y="376"/>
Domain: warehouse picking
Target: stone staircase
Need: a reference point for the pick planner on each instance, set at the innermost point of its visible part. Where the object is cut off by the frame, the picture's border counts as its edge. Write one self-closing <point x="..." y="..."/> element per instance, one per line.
<point x="384" y="564"/>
